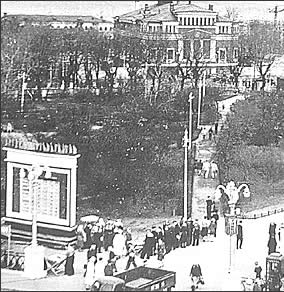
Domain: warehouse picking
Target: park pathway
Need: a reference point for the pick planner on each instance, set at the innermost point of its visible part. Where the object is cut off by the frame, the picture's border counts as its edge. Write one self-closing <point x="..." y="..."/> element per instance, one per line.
<point x="206" y="150"/>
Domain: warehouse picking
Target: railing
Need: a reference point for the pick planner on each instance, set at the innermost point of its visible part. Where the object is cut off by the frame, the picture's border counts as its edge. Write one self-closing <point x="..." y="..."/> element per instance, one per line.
<point x="261" y="214"/>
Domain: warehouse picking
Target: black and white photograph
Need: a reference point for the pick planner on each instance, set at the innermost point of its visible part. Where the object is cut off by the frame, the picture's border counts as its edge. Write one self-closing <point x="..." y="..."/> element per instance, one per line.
<point x="142" y="145"/>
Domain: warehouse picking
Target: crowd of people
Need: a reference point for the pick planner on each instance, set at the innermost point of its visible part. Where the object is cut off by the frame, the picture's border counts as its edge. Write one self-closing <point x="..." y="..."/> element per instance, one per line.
<point x="109" y="242"/>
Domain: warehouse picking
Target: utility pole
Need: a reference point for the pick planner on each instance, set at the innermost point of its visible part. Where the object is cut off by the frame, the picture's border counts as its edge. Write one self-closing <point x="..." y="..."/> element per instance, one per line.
<point x="23" y="92"/>
<point x="199" y="105"/>
<point x="185" y="181"/>
<point x="190" y="98"/>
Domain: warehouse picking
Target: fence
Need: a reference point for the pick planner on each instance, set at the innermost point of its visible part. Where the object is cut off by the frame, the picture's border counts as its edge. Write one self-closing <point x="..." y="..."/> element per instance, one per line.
<point x="261" y="214"/>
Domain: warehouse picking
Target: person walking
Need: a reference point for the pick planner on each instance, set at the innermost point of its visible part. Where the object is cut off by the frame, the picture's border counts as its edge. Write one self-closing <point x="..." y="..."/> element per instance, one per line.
<point x="239" y="235"/>
<point x="183" y="238"/>
<point x="216" y="128"/>
<point x="213" y="169"/>
<point x="209" y="204"/>
<point x="89" y="275"/>
<point x="257" y="270"/>
<point x="109" y="268"/>
<point x="92" y="251"/>
<point x="196" y="276"/>
<point x="204" y="228"/>
<point x="272" y="244"/>
<point x="161" y="251"/>
<point x="131" y="257"/>
<point x="212" y="228"/>
<point x="210" y="132"/>
<point x="81" y="237"/>
<point x="206" y="169"/>
<point x="196" y="233"/>
<point x="148" y="245"/>
<point x="69" y="264"/>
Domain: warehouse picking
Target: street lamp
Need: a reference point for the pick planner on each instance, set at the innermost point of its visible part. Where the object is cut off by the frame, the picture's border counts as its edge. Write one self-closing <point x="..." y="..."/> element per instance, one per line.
<point x="185" y="145"/>
<point x="233" y="194"/>
<point x="34" y="254"/>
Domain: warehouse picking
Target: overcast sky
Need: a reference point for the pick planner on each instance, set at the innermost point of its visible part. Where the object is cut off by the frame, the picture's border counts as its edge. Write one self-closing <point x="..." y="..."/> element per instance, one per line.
<point x="109" y="9"/>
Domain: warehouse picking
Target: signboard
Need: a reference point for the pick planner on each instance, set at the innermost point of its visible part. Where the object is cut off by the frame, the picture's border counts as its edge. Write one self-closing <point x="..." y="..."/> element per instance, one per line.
<point x="6" y="230"/>
<point x="230" y="225"/>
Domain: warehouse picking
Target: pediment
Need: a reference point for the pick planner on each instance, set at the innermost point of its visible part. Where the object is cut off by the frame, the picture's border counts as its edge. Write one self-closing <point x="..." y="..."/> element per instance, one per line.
<point x="196" y="33"/>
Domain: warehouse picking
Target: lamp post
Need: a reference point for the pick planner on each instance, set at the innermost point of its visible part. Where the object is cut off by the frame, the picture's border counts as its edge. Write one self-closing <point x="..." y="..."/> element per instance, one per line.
<point x="185" y="145"/>
<point x="233" y="194"/>
<point x="190" y="98"/>
<point x="34" y="254"/>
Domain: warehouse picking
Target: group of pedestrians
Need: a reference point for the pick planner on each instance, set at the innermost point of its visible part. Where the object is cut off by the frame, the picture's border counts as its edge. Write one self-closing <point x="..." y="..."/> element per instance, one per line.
<point x="206" y="169"/>
<point x="108" y="242"/>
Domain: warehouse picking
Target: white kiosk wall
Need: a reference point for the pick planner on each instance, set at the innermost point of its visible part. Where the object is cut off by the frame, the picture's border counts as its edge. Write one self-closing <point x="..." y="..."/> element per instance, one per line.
<point x="56" y="193"/>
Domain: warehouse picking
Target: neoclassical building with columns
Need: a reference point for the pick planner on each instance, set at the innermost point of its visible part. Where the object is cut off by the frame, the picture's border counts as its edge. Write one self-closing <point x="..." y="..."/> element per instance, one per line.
<point x="187" y="27"/>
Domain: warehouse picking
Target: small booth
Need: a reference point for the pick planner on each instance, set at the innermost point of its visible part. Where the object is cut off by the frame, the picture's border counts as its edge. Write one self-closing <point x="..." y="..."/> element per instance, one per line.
<point x="41" y="183"/>
<point x="274" y="271"/>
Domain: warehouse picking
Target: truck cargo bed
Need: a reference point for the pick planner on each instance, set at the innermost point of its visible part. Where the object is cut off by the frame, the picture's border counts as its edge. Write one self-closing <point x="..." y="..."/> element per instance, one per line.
<point x="147" y="279"/>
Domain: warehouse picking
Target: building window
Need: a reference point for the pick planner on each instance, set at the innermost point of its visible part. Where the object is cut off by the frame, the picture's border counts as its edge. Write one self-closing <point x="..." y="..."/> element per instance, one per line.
<point x="196" y="47"/>
<point x="174" y="29"/>
<point x="227" y="29"/>
<point x="223" y="29"/>
<point x="209" y="21"/>
<point x="150" y="28"/>
<point x="205" y="21"/>
<point x="201" y="21"/>
<point x="206" y="49"/>
<point x="180" y="20"/>
<point x="184" y="21"/>
<point x="236" y="53"/>
<point x="170" y="54"/>
<point x="101" y="28"/>
<point x="188" y="21"/>
<point x="192" y="21"/>
<point x="166" y="28"/>
<point x="220" y="29"/>
<point x="196" y="21"/>
<point x="222" y="55"/>
<point x="105" y="28"/>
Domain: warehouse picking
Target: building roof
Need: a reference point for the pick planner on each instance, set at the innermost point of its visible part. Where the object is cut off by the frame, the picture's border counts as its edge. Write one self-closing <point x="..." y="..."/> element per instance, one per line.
<point x="162" y="12"/>
<point x="191" y="8"/>
<point x="51" y="18"/>
<point x="277" y="68"/>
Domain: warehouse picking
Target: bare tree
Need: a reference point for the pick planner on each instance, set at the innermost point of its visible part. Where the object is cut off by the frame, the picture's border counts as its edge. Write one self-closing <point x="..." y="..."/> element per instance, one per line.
<point x="261" y="44"/>
<point x="193" y="67"/>
<point x="232" y="13"/>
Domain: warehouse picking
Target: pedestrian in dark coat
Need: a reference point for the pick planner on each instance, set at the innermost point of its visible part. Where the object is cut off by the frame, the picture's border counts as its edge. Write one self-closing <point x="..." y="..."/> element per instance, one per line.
<point x="148" y="245"/>
<point x="69" y="264"/>
<point x="209" y="203"/>
<point x="210" y="132"/>
<point x="196" y="233"/>
<point x="167" y="239"/>
<point x="87" y="230"/>
<point x="177" y="235"/>
<point x="155" y="244"/>
<point x="183" y="238"/>
<point x="216" y="128"/>
<point x="108" y="234"/>
<point x="239" y="235"/>
<point x="272" y="244"/>
<point x="189" y="224"/>
<point x="172" y="236"/>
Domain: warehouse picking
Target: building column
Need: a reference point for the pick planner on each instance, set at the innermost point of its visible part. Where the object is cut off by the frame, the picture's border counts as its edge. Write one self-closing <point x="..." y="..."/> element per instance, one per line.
<point x="180" y="50"/>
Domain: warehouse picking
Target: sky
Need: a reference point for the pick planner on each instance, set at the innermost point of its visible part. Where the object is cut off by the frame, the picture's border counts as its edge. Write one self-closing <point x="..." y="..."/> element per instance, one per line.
<point x="109" y="9"/>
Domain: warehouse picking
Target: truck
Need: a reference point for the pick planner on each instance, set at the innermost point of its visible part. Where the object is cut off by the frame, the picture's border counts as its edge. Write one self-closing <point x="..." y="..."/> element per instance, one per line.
<point x="137" y="279"/>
